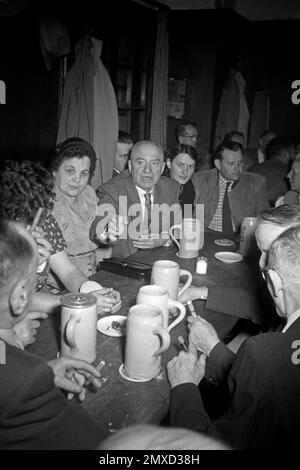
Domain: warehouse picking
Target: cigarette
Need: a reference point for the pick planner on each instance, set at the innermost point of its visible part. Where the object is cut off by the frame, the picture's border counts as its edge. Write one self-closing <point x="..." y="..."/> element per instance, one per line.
<point x="36" y="219"/>
<point x="98" y="368"/>
<point x="183" y="343"/>
<point x="191" y="308"/>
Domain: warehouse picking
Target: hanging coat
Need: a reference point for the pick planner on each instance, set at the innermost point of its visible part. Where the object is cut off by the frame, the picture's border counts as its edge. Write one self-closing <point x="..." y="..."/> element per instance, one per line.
<point x="89" y="108"/>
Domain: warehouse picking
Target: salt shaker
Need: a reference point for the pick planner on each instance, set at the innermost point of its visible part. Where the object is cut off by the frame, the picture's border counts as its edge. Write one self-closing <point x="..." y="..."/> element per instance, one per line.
<point x="201" y="265"/>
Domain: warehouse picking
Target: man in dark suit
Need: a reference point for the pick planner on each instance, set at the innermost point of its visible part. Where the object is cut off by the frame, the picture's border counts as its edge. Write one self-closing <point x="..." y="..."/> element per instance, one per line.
<point x="34" y="414"/>
<point x="124" y="145"/>
<point x="279" y="154"/>
<point x="264" y="377"/>
<point x="147" y="200"/>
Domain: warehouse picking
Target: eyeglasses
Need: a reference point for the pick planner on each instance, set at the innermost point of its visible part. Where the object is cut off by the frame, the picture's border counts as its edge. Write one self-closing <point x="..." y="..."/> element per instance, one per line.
<point x="264" y="273"/>
<point x="191" y="137"/>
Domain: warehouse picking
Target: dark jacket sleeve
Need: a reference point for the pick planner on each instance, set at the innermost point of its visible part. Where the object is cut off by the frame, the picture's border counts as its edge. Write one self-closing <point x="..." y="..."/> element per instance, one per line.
<point x="243" y="425"/>
<point x="36" y="415"/>
<point x="261" y="194"/>
<point x="186" y="408"/>
<point x="219" y="363"/>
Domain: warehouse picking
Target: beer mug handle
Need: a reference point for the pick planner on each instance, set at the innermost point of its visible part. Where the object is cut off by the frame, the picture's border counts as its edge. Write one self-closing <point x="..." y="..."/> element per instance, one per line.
<point x="172" y="235"/>
<point x="165" y="339"/>
<point x="181" y="307"/>
<point x="70" y="331"/>
<point x="184" y="272"/>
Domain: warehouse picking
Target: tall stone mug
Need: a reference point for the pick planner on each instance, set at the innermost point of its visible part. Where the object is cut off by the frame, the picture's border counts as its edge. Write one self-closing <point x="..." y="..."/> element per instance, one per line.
<point x="167" y="273"/>
<point x="191" y="237"/>
<point x="79" y="326"/>
<point x="146" y="340"/>
<point x="158" y="295"/>
<point x="247" y="241"/>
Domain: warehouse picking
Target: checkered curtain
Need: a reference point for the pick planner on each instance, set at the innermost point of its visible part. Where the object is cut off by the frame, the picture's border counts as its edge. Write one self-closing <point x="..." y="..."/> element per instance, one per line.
<point x="158" y="129"/>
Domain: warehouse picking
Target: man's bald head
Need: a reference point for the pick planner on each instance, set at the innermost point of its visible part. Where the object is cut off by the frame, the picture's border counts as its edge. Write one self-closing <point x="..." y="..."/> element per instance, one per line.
<point x="146" y="437"/>
<point x="18" y="253"/>
<point x="146" y="164"/>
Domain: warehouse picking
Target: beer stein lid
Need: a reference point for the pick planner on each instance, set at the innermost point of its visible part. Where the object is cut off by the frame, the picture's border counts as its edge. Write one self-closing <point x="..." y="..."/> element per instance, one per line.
<point x="78" y="300"/>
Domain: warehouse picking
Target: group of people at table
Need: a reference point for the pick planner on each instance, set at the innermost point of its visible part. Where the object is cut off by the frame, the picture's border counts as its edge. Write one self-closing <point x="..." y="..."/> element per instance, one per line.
<point x="73" y="235"/>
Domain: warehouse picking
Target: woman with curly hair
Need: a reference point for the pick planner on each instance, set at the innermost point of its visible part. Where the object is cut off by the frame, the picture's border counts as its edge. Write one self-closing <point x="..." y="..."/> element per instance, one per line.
<point x="26" y="186"/>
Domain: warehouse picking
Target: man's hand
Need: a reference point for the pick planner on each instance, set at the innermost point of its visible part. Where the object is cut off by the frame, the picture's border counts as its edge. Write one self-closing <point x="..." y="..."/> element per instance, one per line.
<point x="115" y="227"/>
<point x="27" y="328"/>
<point x="186" y="368"/>
<point x="148" y="242"/>
<point x="194" y="293"/>
<point x="71" y="375"/>
<point x="108" y="300"/>
<point x="202" y="335"/>
<point x="44" y="247"/>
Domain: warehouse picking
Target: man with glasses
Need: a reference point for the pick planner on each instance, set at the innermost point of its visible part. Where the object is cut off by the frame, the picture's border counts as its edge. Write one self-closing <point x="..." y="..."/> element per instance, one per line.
<point x="138" y="194"/>
<point x="263" y="410"/>
<point x="234" y="301"/>
<point x="228" y="194"/>
<point x="187" y="133"/>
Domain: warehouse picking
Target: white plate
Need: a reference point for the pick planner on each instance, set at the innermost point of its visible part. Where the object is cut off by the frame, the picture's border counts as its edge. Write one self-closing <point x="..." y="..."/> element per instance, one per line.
<point x="228" y="257"/>
<point x="104" y="325"/>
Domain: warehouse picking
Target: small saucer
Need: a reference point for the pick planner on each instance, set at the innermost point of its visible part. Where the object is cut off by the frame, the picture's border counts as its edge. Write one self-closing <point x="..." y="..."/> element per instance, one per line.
<point x="229" y="257"/>
<point x="104" y="325"/>
<point x="185" y="257"/>
<point x="122" y="374"/>
<point x="224" y="242"/>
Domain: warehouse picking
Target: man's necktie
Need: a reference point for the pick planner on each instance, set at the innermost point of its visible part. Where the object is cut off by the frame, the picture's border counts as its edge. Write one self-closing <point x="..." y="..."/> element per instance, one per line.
<point x="226" y="215"/>
<point x="147" y="216"/>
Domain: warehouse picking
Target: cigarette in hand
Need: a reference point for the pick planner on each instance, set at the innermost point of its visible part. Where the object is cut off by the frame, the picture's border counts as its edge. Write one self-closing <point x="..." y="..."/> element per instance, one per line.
<point x="36" y="219"/>
<point x="191" y="308"/>
<point x="182" y="343"/>
<point x="98" y="368"/>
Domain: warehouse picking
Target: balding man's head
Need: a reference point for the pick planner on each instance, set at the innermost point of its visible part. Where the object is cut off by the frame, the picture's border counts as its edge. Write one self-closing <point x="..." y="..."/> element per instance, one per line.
<point x="271" y="224"/>
<point x="284" y="272"/>
<point x="146" y="437"/>
<point x="146" y="164"/>
<point x="18" y="265"/>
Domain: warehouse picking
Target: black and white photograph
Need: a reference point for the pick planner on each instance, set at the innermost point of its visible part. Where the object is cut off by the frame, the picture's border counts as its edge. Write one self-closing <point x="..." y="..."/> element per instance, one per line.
<point x="149" y="228"/>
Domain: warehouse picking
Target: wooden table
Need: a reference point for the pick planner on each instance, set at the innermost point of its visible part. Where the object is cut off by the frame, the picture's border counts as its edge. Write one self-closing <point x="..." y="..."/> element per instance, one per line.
<point x="120" y="403"/>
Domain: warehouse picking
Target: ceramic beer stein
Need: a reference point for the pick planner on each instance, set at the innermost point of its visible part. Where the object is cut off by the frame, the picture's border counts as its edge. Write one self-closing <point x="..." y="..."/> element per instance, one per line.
<point x="146" y="340"/>
<point x="167" y="273"/>
<point x="191" y="238"/>
<point x="79" y="326"/>
<point x="247" y="242"/>
<point x="158" y="295"/>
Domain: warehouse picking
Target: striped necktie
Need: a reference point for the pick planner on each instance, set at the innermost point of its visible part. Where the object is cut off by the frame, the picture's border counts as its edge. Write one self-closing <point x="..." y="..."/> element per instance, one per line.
<point x="147" y="216"/>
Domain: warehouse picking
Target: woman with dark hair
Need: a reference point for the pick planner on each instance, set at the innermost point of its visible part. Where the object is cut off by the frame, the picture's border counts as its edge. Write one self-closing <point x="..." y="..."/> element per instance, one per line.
<point x="25" y="187"/>
<point x="181" y="161"/>
<point x="76" y="203"/>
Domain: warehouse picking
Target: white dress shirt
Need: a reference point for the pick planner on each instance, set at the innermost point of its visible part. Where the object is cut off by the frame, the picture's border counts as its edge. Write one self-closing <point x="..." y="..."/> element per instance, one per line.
<point x="141" y="193"/>
<point x="291" y="320"/>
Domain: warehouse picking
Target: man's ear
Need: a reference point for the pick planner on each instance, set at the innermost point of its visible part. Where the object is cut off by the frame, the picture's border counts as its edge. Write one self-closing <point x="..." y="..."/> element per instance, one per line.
<point x="18" y="298"/>
<point x="169" y="163"/>
<point x="275" y="282"/>
<point x="162" y="168"/>
<point x="129" y="166"/>
<point x="217" y="163"/>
